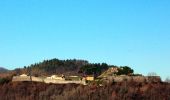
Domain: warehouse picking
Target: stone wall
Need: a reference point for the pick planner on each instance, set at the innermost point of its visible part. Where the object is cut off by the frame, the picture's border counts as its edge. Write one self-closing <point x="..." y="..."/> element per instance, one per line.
<point x="46" y="80"/>
<point x="37" y="79"/>
<point x="63" y="81"/>
<point x="26" y="78"/>
<point x="121" y="78"/>
<point x="19" y="78"/>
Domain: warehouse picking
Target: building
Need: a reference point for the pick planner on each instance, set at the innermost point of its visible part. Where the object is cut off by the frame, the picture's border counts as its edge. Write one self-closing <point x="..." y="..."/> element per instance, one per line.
<point x="90" y="78"/>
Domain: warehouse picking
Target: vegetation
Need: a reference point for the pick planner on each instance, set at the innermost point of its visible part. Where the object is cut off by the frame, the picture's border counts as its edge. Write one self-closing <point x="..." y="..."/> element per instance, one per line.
<point x="96" y="90"/>
<point x="109" y="91"/>
<point x="69" y="67"/>
<point x="125" y="70"/>
<point x="4" y="80"/>
<point x="94" y="69"/>
<point x="55" y="66"/>
<point x="6" y="77"/>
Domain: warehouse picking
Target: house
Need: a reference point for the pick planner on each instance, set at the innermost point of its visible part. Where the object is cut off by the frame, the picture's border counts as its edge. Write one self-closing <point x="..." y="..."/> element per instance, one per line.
<point x="90" y="78"/>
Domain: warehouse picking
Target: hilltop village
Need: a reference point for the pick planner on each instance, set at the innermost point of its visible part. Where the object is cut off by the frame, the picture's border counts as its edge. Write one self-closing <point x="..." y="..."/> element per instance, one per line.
<point x="80" y="80"/>
<point x="107" y="76"/>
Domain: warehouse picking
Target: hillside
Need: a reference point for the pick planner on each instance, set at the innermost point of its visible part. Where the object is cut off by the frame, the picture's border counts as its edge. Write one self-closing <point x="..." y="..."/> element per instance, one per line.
<point x="100" y="89"/>
<point x="111" y="91"/>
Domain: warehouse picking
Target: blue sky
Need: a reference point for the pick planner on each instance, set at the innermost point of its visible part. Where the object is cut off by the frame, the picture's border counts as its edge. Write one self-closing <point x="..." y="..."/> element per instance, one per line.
<point x="119" y="32"/>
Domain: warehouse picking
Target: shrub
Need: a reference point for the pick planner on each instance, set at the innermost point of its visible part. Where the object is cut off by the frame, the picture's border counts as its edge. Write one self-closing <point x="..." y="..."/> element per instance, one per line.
<point x="4" y="80"/>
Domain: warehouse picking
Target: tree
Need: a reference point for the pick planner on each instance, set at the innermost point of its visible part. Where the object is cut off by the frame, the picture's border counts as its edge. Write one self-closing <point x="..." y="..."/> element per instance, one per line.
<point x="125" y="70"/>
<point x="30" y="73"/>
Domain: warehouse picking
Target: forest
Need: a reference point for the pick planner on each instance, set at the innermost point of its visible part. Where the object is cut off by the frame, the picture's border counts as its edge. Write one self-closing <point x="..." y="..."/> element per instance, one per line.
<point x="69" y="67"/>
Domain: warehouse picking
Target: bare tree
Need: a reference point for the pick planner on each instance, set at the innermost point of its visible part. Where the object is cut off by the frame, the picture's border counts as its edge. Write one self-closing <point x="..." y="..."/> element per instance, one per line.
<point x="30" y="73"/>
<point x="152" y="74"/>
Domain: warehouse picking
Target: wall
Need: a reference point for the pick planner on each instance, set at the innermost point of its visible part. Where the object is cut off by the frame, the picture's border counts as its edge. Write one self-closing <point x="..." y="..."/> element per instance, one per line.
<point x="45" y="80"/>
<point x="26" y="78"/>
<point x="63" y="81"/>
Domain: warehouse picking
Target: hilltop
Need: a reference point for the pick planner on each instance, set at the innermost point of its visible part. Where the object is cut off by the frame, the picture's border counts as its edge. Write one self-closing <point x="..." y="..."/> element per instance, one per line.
<point x="48" y="70"/>
<point x="71" y="67"/>
<point x="111" y="83"/>
<point x="66" y="67"/>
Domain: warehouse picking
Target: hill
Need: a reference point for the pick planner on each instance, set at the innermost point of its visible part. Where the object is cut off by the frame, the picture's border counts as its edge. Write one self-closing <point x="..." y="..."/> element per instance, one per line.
<point x="3" y="70"/>
<point x="100" y="89"/>
<point x="67" y="67"/>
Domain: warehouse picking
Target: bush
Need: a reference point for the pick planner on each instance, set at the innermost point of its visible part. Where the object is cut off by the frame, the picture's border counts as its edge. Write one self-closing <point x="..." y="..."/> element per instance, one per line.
<point x="4" y="80"/>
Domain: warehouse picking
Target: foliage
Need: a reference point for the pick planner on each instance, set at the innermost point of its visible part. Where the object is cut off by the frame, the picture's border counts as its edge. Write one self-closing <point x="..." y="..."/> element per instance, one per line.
<point x="125" y="70"/>
<point x="4" y="80"/>
<point x="137" y="75"/>
<point x="68" y="67"/>
<point x="94" y="69"/>
<point x="55" y="66"/>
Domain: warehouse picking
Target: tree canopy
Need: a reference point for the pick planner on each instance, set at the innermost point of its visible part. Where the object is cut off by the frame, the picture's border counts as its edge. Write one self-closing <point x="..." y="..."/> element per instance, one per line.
<point x="71" y="67"/>
<point x="125" y="70"/>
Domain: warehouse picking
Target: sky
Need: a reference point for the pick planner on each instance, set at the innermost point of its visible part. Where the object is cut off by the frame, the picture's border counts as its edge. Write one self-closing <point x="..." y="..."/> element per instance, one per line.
<point x="118" y="32"/>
